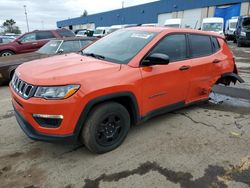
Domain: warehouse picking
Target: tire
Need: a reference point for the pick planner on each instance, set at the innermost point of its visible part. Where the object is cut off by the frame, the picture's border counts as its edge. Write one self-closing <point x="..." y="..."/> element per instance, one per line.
<point x="239" y="44"/>
<point x="6" y="53"/>
<point x="106" y="127"/>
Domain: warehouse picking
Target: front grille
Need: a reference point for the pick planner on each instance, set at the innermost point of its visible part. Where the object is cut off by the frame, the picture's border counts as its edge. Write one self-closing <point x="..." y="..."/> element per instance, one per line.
<point x="22" y="88"/>
<point x="248" y="35"/>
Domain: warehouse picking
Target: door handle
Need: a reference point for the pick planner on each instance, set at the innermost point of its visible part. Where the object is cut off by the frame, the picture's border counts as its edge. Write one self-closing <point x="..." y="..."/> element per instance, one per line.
<point x="34" y="43"/>
<point x="184" y="67"/>
<point x="216" y="61"/>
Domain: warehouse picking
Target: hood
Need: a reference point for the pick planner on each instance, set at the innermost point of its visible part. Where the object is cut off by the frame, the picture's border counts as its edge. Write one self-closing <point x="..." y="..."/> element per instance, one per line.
<point x="20" y="58"/>
<point x="64" y="69"/>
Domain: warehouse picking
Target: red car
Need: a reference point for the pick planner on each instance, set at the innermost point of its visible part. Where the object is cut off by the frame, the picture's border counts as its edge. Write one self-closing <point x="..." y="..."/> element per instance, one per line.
<point x="32" y="41"/>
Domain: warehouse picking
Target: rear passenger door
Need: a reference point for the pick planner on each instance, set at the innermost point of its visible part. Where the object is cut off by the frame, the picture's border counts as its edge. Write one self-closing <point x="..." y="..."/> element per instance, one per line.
<point x="167" y="85"/>
<point x="201" y="73"/>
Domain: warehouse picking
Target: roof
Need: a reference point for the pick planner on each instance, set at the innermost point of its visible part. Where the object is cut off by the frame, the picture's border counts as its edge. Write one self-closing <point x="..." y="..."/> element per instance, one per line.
<point x="77" y="38"/>
<point x="174" y="30"/>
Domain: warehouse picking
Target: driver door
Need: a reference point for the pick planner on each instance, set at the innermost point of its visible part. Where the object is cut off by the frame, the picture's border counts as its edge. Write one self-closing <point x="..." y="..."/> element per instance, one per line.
<point x="167" y="85"/>
<point x="28" y="43"/>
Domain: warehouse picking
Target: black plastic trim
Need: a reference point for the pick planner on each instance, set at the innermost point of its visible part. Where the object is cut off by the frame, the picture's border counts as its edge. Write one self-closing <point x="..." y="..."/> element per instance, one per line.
<point x="34" y="135"/>
<point x="163" y="110"/>
<point x="105" y="98"/>
<point x="233" y="76"/>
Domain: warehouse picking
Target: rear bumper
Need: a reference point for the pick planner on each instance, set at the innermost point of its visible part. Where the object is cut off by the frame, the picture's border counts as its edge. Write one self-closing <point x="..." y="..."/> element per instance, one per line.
<point x="33" y="134"/>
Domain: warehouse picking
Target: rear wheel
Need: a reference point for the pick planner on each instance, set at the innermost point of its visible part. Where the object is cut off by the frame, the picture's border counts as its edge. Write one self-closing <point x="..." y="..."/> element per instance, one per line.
<point x="239" y="44"/>
<point x="106" y="127"/>
<point x="6" y="53"/>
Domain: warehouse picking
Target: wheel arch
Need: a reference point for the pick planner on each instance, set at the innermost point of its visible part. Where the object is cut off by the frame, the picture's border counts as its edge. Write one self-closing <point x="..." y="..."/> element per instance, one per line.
<point x="127" y="99"/>
<point x="227" y="78"/>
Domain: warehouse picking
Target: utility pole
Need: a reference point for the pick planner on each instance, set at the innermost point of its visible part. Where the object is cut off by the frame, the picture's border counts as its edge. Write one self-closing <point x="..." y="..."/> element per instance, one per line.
<point x="25" y="12"/>
<point x="122" y="4"/>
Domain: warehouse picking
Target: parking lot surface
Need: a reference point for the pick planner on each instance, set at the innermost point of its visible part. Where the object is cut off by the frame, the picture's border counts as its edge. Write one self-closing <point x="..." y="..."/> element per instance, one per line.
<point x="200" y="146"/>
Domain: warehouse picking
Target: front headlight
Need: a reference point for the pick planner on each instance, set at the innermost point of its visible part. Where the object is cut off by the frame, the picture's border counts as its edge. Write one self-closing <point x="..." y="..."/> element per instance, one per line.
<point x="243" y="34"/>
<point x="56" y="92"/>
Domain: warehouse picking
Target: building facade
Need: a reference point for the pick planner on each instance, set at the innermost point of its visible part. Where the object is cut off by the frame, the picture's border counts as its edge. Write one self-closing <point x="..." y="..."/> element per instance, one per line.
<point x="191" y="11"/>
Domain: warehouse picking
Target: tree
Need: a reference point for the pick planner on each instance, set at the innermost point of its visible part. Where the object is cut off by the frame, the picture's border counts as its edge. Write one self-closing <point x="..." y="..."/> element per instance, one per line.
<point x="85" y="13"/>
<point x="10" y="27"/>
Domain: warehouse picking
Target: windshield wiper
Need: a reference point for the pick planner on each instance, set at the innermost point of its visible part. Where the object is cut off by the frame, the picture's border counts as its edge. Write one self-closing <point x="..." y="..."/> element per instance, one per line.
<point x="94" y="55"/>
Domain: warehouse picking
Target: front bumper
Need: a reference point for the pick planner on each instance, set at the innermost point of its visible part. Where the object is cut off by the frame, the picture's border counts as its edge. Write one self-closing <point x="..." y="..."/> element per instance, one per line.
<point x="33" y="134"/>
<point x="71" y="110"/>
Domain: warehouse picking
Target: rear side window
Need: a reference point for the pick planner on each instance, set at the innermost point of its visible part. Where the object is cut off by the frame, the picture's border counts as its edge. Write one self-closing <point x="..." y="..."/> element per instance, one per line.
<point x="65" y="33"/>
<point x="44" y="35"/>
<point x="174" y="46"/>
<point x="215" y="44"/>
<point x="84" y="43"/>
<point x="200" y="45"/>
<point x="70" y="46"/>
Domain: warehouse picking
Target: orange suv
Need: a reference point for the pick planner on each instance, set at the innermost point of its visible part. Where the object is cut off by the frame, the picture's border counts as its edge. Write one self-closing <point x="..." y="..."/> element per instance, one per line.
<point x="126" y="77"/>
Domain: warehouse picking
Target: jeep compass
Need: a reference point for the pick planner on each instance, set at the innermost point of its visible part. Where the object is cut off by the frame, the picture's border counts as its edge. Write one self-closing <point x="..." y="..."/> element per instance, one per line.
<point x="128" y="76"/>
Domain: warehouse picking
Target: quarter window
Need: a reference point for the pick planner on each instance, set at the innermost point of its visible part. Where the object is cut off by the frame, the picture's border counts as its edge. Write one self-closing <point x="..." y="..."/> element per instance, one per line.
<point x="84" y="43"/>
<point x="70" y="46"/>
<point x="200" y="45"/>
<point x="44" y="35"/>
<point x="215" y="44"/>
<point x="65" y="33"/>
<point x="174" y="46"/>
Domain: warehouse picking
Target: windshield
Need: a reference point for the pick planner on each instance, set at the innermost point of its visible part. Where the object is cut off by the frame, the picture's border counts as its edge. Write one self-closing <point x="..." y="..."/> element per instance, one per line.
<point x="98" y="31"/>
<point x="212" y="27"/>
<point x="232" y="25"/>
<point x="173" y="25"/>
<point x="246" y="23"/>
<point x="120" y="46"/>
<point x="51" y="47"/>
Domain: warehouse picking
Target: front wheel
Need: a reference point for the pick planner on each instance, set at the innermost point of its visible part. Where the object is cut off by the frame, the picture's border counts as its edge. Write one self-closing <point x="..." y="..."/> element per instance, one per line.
<point x="106" y="127"/>
<point x="6" y="53"/>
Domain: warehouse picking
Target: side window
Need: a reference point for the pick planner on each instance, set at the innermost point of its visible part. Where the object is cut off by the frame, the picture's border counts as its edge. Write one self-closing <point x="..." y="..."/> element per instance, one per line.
<point x="65" y="33"/>
<point x="1" y="40"/>
<point x="29" y="37"/>
<point x="174" y="46"/>
<point x="84" y="43"/>
<point x="215" y="44"/>
<point x="200" y="45"/>
<point x="44" y="35"/>
<point x="70" y="46"/>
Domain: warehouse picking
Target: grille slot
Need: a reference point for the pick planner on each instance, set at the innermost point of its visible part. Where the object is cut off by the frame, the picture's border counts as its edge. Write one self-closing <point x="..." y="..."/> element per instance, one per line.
<point x="22" y="88"/>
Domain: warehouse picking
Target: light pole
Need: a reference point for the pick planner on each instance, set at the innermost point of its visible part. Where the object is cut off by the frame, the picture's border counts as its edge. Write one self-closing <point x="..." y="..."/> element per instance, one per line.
<point x="122" y="4"/>
<point x="25" y="12"/>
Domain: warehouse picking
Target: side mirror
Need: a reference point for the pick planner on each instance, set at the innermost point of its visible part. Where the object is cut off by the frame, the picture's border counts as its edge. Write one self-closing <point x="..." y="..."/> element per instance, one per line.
<point x="60" y="51"/>
<point x="156" y="59"/>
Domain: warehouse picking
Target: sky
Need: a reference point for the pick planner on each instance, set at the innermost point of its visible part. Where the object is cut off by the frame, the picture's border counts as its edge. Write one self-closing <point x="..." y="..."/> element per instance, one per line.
<point x="43" y="14"/>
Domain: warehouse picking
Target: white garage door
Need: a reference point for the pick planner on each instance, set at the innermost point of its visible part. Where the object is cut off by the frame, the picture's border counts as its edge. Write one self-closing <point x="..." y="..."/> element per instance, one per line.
<point x="90" y="26"/>
<point x="163" y="17"/>
<point x="192" y="18"/>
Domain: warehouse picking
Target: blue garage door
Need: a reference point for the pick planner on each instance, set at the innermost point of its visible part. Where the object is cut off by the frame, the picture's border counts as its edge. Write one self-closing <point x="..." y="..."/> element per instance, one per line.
<point x="228" y="12"/>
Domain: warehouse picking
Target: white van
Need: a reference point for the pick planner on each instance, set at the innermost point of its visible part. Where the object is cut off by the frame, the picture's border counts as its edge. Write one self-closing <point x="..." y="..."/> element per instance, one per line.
<point x="231" y="28"/>
<point x="150" y="25"/>
<point x="213" y="24"/>
<point x="100" y="31"/>
<point x="176" y="23"/>
<point x="113" y="28"/>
